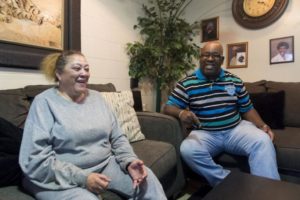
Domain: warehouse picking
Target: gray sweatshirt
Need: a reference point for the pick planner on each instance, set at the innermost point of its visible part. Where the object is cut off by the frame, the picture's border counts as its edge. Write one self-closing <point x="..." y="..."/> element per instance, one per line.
<point x="63" y="142"/>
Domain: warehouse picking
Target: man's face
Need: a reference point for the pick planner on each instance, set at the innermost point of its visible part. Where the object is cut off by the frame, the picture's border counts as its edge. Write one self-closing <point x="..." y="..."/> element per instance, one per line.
<point x="282" y="50"/>
<point x="211" y="60"/>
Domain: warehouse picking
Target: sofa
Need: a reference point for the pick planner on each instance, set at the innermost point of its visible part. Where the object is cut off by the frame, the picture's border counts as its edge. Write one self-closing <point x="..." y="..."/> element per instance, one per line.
<point x="279" y="105"/>
<point x="159" y="151"/>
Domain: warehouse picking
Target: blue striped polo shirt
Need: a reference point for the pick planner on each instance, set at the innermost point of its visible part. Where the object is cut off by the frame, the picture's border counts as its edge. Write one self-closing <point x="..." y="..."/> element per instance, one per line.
<point x="218" y="104"/>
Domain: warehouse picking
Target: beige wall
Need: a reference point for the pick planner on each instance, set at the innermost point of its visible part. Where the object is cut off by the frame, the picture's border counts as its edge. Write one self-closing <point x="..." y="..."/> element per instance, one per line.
<point x="258" y="40"/>
<point x="107" y="27"/>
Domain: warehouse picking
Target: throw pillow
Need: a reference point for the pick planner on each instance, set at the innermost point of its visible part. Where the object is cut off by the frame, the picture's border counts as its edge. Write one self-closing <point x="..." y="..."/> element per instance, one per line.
<point x="270" y="106"/>
<point x="10" y="141"/>
<point x="122" y="105"/>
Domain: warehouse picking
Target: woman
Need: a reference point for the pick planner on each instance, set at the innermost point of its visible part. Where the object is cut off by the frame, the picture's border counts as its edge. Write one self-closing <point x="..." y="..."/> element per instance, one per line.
<point x="73" y="147"/>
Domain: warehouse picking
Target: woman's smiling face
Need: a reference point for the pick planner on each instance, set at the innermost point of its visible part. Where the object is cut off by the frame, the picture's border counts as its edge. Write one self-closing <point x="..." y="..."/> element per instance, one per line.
<point x="74" y="78"/>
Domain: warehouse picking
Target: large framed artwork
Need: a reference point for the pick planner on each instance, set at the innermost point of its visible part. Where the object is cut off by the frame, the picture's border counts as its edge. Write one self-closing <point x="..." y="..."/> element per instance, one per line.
<point x="282" y="50"/>
<point x="237" y="55"/>
<point x="31" y="29"/>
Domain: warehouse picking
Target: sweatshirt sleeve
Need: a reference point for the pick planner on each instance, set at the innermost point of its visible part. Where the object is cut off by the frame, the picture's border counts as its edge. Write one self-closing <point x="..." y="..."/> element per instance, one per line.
<point x="37" y="157"/>
<point x="121" y="147"/>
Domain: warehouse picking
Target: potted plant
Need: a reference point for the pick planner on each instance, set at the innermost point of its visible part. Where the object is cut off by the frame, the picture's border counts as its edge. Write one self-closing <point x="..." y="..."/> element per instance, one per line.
<point x="166" y="51"/>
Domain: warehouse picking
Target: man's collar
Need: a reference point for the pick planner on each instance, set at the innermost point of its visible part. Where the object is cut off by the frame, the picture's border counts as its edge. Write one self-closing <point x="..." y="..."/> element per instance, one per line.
<point x="200" y="75"/>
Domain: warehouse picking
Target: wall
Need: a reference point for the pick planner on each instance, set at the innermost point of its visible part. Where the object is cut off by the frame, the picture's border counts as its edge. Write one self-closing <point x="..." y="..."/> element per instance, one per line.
<point x="258" y="40"/>
<point x="107" y="27"/>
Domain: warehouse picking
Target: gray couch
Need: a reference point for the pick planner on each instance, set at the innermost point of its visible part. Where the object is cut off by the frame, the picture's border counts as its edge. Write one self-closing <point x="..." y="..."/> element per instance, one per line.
<point x="287" y="140"/>
<point x="160" y="149"/>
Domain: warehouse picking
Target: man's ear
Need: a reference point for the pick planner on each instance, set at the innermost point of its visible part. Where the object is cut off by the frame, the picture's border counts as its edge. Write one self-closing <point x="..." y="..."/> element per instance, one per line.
<point x="222" y="59"/>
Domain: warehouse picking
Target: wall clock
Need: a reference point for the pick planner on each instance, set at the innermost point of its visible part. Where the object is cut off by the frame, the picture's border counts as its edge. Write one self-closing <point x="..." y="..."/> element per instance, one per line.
<point x="256" y="14"/>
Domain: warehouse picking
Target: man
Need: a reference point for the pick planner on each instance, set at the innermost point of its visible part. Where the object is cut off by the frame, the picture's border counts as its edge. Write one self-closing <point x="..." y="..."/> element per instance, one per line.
<point x="216" y="105"/>
<point x="282" y="55"/>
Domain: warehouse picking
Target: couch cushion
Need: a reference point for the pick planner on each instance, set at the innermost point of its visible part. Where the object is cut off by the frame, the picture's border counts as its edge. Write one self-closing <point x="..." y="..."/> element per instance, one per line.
<point x="10" y="141"/>
<point x="287" y="143"/>
<point x="292" y="99"/>
<point x="122" y="105"/>
<point x="159" y="156"/>
<point x="256" y="87"/>
<point x="13" y="193"/>
<point x="270" y="106"/>
<point x="14" y="106"/>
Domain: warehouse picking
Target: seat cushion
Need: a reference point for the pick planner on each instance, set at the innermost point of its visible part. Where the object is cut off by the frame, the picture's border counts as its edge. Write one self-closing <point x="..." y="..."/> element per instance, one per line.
<point x="159" y="156"/>
<point x="287" y="144"/>
<point x="13" y="193"/>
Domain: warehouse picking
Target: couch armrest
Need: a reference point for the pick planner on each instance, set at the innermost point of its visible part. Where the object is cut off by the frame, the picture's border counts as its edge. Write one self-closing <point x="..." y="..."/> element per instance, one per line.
<point x="161" y="127"/>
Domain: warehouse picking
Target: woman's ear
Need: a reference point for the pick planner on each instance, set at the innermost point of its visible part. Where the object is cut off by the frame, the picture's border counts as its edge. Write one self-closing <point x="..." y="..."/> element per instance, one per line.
<point x="58" y="77"/>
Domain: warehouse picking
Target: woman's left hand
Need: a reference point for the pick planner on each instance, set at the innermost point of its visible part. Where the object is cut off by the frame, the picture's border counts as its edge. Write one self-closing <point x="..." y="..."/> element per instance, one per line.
<point x="137" y="171"/>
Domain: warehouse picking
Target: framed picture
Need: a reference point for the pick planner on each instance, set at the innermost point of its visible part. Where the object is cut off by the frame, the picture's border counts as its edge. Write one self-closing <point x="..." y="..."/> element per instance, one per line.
<point x="282" y="50"/>
<point x="39" y="28"/>
<point x="237" y="55"/>
<point x="210" y="29"/>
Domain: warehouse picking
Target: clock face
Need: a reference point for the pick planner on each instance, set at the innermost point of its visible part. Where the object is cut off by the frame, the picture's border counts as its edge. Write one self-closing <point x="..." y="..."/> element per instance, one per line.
<point x="256" y="8"/>
<point x="255" y="14"/>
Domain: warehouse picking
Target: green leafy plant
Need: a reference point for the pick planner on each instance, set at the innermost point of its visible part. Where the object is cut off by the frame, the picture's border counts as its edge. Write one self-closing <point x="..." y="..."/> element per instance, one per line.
<point x="166" y="51"/>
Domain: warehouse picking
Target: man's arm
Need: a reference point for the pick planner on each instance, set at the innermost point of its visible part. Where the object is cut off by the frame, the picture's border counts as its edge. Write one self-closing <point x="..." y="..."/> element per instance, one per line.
<point x="172" y="110"/>
<point x="253" y="116"/>
<point x="187" y="117"/>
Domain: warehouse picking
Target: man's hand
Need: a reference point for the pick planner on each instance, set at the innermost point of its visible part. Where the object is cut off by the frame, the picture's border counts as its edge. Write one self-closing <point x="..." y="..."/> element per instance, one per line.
<point x="189" y="118"/>
<point x="268" y="130"/>
<point x="137" y="171"/>
<point x="97" y="182"/>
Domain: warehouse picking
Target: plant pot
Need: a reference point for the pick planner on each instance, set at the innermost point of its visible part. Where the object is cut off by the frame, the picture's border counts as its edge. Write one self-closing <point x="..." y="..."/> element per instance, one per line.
<point x="134" y="83"/>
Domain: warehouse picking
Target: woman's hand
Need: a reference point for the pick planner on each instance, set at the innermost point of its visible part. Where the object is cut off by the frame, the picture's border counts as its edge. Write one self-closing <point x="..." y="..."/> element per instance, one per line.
<point x="97" y="182"/>
<point x="137" y="171"/>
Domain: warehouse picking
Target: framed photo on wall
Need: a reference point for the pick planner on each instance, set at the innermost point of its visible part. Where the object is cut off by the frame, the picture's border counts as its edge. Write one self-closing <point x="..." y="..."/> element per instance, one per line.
<point x="282" y="50"/>
<point x="237" y="55"/>
<point x="210" y="29"/>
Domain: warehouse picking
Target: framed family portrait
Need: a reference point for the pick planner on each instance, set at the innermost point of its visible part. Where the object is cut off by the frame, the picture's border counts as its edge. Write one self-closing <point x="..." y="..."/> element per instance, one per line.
<point x="237" y="55"/>
<point x="282" y="50"/>
<point x="32" y="29"/>
<point x="210" y="29"/>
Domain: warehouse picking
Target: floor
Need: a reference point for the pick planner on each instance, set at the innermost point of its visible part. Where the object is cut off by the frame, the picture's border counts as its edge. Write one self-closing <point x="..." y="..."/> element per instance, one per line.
<point x="194" y="190"/>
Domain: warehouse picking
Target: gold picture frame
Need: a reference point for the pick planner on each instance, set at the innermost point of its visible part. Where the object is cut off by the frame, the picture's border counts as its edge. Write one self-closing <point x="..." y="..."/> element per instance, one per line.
<point x="20" y="54"/>
<point x="33" y="23"/>
<point x="237" y="55"/>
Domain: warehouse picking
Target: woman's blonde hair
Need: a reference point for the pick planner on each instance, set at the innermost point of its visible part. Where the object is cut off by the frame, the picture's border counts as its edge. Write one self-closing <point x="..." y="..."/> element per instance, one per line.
<point x="56" y="62"/>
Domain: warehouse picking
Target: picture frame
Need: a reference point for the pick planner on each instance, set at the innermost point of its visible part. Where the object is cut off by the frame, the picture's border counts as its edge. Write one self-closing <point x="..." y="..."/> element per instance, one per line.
<point x="33" y="23"/>
<point x="237" y="55"/>
<point x="210" y="29"/>
<point x="17" y="55"/>
<point x="282" y="50"/>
